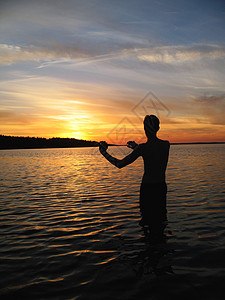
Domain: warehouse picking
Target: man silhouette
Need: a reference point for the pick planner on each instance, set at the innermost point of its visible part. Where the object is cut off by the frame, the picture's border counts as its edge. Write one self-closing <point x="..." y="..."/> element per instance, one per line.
<point x="155" y="153"/>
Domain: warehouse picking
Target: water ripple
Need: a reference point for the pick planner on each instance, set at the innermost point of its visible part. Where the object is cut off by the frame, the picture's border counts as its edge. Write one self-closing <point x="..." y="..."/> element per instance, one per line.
<point x="69" y="229"/>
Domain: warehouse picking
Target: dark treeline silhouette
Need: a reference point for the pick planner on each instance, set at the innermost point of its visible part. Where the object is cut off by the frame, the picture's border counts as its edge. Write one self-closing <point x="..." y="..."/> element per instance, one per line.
<point x="19" y="142"/>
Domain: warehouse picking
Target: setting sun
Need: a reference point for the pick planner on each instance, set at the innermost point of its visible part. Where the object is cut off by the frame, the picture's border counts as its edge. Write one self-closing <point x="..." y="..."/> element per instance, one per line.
<point x="88" y="78"/>
<point x="112" y="149"/>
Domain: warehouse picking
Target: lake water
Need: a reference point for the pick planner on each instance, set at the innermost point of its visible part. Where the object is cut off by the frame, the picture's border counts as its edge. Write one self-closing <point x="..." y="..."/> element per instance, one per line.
<point x="69" y="226"/>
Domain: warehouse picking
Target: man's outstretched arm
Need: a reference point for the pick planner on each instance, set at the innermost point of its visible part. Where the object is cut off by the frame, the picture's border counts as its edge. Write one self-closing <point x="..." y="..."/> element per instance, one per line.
<point x="119" y="163"/>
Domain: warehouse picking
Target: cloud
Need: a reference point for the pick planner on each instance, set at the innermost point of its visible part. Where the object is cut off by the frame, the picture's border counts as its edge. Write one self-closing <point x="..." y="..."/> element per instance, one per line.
<point x="193" y="119"/>
<point x="10" y="54"/>
<point x="42" y="125"/>
<point x="164" y="54"/>
<point x="13" y="118"/>
<point x="181" y="54"/>
<point x="211" y="108"/>
<point x="211" y="99"/>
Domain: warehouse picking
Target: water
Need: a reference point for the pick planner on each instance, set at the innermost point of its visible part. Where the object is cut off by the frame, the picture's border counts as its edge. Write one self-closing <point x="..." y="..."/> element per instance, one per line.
<point x="69" y="226"/>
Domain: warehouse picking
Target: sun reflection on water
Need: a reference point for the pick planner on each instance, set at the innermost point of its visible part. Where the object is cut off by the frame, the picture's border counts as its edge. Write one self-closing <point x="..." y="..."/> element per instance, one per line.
<point x="69" y="217"/>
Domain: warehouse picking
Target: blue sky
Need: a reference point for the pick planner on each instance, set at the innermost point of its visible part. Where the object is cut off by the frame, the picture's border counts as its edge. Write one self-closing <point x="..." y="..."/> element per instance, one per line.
<point x="77" y="68"/>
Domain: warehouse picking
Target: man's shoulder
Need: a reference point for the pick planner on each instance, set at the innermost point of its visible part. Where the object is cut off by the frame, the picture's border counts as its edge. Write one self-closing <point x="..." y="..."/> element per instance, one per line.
<point x="164" y="141"/>
<point x="141" y="145"/>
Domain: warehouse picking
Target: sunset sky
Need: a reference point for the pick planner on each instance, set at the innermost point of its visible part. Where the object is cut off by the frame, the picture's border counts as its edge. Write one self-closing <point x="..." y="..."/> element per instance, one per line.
<point x="92" y="69"/>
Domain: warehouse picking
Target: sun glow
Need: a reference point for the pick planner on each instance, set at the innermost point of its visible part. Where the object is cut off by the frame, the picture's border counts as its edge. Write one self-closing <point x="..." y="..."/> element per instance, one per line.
<point x="81" y="77"/>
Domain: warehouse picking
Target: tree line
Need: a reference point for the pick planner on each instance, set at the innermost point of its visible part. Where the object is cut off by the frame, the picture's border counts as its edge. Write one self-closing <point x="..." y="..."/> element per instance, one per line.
<point x="20" y="142"/>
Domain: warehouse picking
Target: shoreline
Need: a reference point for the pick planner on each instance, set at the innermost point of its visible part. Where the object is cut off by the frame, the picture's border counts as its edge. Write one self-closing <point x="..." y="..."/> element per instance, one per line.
<point x="91" y="146"/>
<point x="21" y="142"/>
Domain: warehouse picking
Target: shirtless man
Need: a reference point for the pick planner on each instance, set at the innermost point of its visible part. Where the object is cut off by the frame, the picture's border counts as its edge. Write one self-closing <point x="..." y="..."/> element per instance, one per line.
<point x="155" y="153"/>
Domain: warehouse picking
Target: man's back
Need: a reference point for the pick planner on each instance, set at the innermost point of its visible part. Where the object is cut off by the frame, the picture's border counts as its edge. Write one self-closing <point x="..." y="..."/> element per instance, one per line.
<point x="155" y="154"/>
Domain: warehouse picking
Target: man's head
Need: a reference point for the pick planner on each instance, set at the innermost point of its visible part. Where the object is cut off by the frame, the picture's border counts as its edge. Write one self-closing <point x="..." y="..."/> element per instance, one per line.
<point x="151" y="125"/>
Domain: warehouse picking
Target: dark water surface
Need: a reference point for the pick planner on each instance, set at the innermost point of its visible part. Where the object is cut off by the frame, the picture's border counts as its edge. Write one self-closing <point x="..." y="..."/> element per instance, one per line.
<point x="69" y="227"/>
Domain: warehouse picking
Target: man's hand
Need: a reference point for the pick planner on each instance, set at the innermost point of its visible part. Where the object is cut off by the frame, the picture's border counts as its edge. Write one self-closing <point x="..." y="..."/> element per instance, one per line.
<point x="132" y="144"/>
<point x="103" y="146"/>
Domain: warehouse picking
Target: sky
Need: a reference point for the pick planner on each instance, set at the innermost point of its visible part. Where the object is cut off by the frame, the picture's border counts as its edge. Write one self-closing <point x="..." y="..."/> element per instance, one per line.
<point x="93" y="69"/>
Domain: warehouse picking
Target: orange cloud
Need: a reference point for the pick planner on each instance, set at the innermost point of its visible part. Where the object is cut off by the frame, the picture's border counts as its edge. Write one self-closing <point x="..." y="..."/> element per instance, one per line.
<point x="93" y="111"/>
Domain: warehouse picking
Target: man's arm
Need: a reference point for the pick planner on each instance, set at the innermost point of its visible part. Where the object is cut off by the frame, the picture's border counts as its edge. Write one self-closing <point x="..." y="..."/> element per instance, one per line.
<point x="120" y="163"/>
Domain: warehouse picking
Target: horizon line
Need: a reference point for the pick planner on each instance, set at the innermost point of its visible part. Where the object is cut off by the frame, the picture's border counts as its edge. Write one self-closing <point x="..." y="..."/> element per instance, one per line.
<point x="172" y="143"/>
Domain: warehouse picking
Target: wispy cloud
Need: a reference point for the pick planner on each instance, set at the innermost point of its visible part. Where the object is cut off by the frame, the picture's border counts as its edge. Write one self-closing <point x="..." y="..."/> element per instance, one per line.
<point x="10" y="54"/>
<point x="173" y="55"/>
<point x="211" y="108"/>
<point x="182" y="54"/>
<point x="82" y="65"/>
